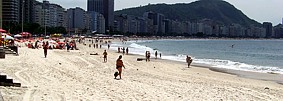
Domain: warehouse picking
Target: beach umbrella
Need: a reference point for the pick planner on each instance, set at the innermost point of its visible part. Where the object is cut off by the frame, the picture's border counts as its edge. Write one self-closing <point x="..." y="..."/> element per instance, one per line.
<point x="18" y="36"/>
<point x="25" y="34"/>
<point x="8" y="37"/>
<point x="2" y="30"/>
<point x="52" y="41"/>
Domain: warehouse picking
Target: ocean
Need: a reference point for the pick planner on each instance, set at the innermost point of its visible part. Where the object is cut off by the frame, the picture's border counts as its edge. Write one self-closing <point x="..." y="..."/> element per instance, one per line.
<point x="247" y="55"/>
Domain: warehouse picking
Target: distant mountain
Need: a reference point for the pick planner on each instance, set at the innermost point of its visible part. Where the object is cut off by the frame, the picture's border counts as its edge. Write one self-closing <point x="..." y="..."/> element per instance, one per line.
<point x="217" y="10"/>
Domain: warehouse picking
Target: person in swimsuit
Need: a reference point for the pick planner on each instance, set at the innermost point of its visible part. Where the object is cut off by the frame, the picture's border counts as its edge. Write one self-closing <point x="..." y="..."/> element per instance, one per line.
<point x="105" y="56"/>
<point x="189" y="60"/>
<point x="119" y="65"/>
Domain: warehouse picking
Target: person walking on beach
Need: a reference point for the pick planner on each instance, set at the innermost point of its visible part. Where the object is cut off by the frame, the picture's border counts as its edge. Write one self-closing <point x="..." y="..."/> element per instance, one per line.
<point x="68" y="46"/>
<point x="148" y="56"/>
<point x="189" y="60"/>
<point x="119" y="65"/>
<point x="108" y="46"/>
<point x="155" y="54"/>
<point x="160" y="55"/>
<point x="123" y="50"/>
<point x="45" y="47"/>
<point x="127" y="50"/>
<point x="105" y="56"/>
<point x="118" y="49"/>
<point x="36" y="44"/>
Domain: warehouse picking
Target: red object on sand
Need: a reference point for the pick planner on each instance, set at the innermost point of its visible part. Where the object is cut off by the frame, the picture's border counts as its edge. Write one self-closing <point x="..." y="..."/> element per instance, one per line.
<point x="61" y="42"/>
<point x="2" y="30"/>
<point x="25" y="34"/>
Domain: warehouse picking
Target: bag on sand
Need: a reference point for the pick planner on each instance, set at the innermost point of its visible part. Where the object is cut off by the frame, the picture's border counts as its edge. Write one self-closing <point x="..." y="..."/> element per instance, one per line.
<point x="116" y="74"/>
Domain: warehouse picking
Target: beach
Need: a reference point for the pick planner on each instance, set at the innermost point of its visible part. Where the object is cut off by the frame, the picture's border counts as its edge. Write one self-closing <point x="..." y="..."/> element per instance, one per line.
<point x="79" y="76"/>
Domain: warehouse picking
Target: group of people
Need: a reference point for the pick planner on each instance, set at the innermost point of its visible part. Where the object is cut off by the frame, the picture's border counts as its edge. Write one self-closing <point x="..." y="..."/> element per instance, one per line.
<point x="123" y="50"/>
<point x="147" y="56"/>
<point x="157" y="54"/>
<point x="119" y="64"/>
<point x="189" y="59"/>
<point x="71" y="45"/>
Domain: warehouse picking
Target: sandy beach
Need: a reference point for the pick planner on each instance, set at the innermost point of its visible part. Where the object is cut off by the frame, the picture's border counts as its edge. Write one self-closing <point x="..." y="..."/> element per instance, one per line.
<point x="79" y="76"/>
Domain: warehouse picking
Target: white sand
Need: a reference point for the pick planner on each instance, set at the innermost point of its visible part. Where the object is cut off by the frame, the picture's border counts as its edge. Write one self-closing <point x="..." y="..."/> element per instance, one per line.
<point x="84" y="77"/>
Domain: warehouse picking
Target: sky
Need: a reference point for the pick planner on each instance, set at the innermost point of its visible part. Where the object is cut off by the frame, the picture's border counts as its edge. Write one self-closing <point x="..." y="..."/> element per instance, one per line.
<point x="259" y="10"/>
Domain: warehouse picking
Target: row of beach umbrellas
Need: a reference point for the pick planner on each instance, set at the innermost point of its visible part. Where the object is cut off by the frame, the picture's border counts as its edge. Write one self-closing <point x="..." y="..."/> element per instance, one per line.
<point x="9" y="37"/>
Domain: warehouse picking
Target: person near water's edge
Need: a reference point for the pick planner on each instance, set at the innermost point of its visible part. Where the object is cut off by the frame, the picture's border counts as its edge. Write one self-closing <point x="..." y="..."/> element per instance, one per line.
<point x="189" y="60"/>
<point x="123" y="50"/>
<point x="156" y="54"/>
<point x="118" y="49"/>
<point x="127" y="50"/>
<point x="119" y="65"/>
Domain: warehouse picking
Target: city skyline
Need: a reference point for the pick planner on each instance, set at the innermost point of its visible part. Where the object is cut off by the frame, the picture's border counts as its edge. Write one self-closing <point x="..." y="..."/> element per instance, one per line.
<point x="259" y="10"/>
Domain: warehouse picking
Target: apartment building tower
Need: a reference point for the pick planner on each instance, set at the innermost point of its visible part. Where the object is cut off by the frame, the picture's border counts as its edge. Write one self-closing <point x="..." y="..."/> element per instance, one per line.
<point x="104" y="7"/>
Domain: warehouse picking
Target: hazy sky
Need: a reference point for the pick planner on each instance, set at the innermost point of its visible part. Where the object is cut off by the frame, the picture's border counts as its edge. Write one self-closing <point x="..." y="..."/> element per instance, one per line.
<point x="259" y="10"/>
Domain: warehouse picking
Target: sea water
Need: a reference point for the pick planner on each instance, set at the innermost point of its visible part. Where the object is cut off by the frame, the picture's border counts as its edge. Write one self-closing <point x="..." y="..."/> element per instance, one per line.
<point x="248" y="55"/>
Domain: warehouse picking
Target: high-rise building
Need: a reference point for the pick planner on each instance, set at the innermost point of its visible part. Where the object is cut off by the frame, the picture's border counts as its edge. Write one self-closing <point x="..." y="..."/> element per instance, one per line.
<point x="56" y="16"/>
<point x="77" y="19"/>
<point x="268" y="27"/>
<point x="158" y="21"/>
<point x="121" y="23"/>
<point x="0" y="13"/>
<point x="97" y="22"/>
<point x="10" y="12"/>
<point x="104" y="7"/>
<point x="26" y="11"/>
<point x="278" y="31"/>
<point x="38" y="14"/>
<point x="49" y="14"/>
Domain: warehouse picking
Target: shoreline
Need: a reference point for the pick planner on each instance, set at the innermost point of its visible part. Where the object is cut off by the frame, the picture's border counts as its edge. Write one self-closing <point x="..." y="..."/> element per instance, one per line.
<point x="273" y="77"/>
<point x="77" y="75"/>
<point x="212" y="38"/>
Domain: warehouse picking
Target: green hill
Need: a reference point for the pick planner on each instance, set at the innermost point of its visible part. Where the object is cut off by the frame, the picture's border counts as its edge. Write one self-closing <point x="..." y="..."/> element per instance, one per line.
<point x="217" y="10"/>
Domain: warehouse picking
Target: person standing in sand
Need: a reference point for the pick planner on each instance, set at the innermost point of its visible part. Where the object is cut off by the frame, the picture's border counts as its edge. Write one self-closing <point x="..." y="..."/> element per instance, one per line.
<point x="156" y="54"/>
<point x="123" y="50"/>
<point x="108" y="46"/>
<point x="105" y="56"/>
<point x="127" y="50"/>
<point x="119" y="65"/>
<point x="118" y="49"/>
<point x="189" y="60"/>
<point x="148" y="56"/>
<point x="45" y="47"/>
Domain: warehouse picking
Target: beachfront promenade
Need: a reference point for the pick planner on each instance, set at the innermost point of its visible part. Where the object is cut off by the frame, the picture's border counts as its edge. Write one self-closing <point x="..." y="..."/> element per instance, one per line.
<point x="77" y="75"/>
